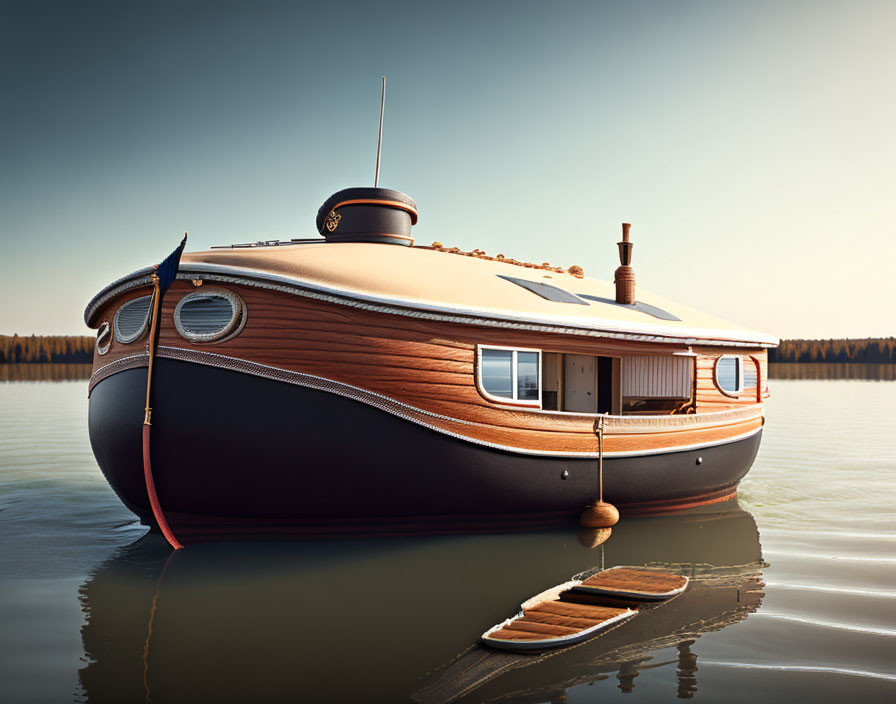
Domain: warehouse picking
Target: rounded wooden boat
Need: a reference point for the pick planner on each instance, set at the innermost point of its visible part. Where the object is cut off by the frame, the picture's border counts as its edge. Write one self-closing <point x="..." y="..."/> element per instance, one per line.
<point x="635" y="583"/>
<point x="359" y="380"/>
<point x="504" y="636"/>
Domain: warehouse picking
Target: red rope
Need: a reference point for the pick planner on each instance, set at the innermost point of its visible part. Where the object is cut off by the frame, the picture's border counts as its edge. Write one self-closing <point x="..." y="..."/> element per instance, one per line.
<point x="147" y="464"/>
<point x="151" y="491"/>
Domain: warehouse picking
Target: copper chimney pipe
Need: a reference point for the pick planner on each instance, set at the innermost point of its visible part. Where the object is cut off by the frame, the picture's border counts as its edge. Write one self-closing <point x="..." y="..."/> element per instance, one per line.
<point x="625" y="275"/>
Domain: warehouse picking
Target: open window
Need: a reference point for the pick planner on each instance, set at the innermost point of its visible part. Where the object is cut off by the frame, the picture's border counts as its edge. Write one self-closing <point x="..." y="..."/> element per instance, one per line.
<point x="581" y="383"/>
<point x="657" y="384"/>
<point x="510" y="375"/>
<point x="552" y="381"/>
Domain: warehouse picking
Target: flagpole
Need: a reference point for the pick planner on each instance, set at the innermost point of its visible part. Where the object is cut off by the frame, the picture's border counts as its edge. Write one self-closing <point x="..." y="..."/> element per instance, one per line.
<point x="147" y="423"/>
<point x="153" y="328"/>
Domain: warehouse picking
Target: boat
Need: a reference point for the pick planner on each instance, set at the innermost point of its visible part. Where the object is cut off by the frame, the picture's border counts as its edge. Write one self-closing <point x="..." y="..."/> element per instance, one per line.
<point x="360" y="379"/>
<point x="582" y="608"/>
<point x="554" y="619"/>
<point x="634" y="583"/>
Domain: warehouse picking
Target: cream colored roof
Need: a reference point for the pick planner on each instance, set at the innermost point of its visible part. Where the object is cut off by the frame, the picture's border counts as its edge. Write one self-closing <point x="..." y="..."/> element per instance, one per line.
<point x="438" y="281"/>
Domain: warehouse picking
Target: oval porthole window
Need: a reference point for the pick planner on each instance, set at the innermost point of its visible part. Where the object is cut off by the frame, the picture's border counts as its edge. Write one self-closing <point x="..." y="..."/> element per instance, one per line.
<point x="730" y="374"/>
<point x="103" y="338"/>
<point x="132" y="320"/>
<point x="206" y="316"/>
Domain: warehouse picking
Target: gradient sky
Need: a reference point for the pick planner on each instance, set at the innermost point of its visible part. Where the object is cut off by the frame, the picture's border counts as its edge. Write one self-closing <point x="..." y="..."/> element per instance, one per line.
<point x="752" y="145"/>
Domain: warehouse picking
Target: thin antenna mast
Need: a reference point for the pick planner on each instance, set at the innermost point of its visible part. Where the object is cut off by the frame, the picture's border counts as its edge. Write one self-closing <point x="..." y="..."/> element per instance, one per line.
<point x="379" y="142"/>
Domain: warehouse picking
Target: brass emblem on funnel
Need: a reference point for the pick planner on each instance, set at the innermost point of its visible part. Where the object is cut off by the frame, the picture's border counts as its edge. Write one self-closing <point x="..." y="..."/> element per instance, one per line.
<point x="333" y="220"/>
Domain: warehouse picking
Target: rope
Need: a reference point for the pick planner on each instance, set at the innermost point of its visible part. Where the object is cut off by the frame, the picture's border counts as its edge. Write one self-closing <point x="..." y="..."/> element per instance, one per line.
<point x="600" y="457"/>
<point x="147" y="427"/>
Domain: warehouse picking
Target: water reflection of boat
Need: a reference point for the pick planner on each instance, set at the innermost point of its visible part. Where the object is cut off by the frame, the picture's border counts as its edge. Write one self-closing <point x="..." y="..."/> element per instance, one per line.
<point x="354" y="620"/>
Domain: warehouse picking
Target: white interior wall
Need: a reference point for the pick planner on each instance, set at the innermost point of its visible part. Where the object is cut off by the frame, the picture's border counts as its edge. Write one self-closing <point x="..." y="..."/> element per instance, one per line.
<point x="657" y="377"/>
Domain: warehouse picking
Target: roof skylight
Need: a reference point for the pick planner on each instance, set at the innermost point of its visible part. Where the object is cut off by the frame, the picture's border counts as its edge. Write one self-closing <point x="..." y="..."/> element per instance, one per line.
<point x="551" y="293"/>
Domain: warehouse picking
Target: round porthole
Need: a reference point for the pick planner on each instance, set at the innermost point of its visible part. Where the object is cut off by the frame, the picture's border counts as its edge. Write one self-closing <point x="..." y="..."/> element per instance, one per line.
<point x="206" y="316"/>
<point x="132" y="320"/>
<point x="103" y="338"/>
<point x="729" y="374"/>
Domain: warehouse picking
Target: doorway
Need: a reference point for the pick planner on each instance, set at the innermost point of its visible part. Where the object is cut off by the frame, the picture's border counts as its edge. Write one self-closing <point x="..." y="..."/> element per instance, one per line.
<point x="579" y="383"/>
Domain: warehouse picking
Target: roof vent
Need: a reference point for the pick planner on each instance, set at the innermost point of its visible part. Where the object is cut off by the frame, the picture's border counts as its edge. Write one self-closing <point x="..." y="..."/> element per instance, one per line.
<point x="368" y="215"/>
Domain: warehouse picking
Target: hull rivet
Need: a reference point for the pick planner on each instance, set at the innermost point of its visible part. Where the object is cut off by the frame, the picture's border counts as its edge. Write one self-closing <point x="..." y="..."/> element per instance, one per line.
<point x="564" y="474"/>
<point x="699" y="460"/>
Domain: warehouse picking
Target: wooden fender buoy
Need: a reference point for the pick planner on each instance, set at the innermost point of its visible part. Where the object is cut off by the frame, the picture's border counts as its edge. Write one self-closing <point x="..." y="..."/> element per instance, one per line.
<point x="600" y="514"/>
<point x="592" y="537"/>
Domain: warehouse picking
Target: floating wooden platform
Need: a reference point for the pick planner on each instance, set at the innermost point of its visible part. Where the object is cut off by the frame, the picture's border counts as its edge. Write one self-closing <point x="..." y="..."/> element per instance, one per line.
<point x="633" y="583"/>
<point x="581" y="609"/>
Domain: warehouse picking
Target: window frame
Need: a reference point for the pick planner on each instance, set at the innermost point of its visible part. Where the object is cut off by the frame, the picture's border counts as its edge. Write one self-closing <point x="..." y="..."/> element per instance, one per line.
<point x="514" y="378"/>
<point x="239" y="314"/>
<point x="740" y="375"/>
<point x="144" y="325"/>
<point x="104" y="328"/>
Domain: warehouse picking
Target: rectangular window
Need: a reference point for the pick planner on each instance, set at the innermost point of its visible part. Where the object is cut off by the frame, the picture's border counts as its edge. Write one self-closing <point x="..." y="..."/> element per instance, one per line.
<point x="527" y="376"/>
<point x="510" y="374"/>
<point x="497" y="372"/>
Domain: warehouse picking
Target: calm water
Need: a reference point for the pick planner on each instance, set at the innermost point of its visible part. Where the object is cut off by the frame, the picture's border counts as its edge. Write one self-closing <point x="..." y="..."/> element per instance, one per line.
<point x="793" y="594"/>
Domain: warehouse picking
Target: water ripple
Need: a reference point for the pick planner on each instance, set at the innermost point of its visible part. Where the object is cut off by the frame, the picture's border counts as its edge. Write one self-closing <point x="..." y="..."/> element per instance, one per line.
<point x="831" y="534"/>
<point x="878" y="593"/>
<point x="829" y="624"/>
<point x="803" y="668"/>
<point x="824" y="556"/>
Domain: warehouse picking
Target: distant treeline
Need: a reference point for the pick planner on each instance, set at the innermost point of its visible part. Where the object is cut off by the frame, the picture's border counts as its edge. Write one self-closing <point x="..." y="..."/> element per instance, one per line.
<point x="872" y="350"/>
<point x="46" y="349"/>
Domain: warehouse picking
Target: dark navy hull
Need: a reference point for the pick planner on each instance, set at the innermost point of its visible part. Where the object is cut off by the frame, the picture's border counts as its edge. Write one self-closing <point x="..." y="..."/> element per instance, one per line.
<point x="231" y="449"/>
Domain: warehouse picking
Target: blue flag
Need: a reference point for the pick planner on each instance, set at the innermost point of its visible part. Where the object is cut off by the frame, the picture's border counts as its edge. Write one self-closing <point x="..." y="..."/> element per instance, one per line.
<point x="167" y="270"/>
